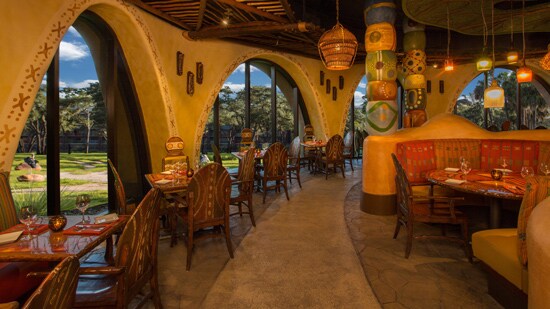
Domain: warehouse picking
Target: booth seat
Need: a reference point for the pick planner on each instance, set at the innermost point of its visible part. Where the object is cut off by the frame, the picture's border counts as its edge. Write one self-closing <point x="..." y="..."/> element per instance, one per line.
<point x="505" y="252"/>
<point x="538" y="252"/>
<point x="439" y="143"/>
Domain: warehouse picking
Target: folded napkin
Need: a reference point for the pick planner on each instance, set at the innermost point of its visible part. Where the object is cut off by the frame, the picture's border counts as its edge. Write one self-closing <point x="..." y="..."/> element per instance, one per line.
<point x="504" y="170"/>
<point x="156" y="177"/>
<point x="455" y="181"/>
<point x="452" y="169"/>
<point x="36" y="229"/>
<point x="162" y="181"/>
<point x="86" y="229"/>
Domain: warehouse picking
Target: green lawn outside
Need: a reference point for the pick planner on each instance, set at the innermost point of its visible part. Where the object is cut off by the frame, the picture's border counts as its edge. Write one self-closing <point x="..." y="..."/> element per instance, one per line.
<point x="77" y="164"/>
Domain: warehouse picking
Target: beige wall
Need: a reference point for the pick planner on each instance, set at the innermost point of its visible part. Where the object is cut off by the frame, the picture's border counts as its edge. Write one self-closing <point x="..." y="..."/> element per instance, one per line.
<point x="150" y="46"/>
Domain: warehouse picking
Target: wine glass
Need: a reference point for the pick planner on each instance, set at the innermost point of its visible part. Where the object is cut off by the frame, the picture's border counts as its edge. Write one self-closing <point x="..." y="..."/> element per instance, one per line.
<point x="465" y="167"/>
<point x="82" y="203"/>
<point x="544" y="168"/>
<point x="527" y="171"/>
<point x="27" y="216"/>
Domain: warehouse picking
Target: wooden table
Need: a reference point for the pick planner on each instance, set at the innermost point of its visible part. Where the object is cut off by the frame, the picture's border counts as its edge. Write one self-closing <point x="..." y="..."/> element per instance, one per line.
<point x="511" y="187"/>
<point x="55" y="246"/>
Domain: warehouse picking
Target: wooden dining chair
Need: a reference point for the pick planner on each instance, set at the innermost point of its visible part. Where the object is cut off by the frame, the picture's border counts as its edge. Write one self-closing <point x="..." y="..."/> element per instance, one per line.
<point x="310" y="153"/>
<point x="217" y="155"/>
<point x="333" y="156"/>
<point x="294" y="166"/>
<point x="135" y="264"/>
<point x="247" y="139"/>
<point x="208" y="196"/>
<point x="348" y="149"/>
<point x="124" y="207"/>
<point x="412" y="209"/>
<point x="57" y="291"/>
<point x="275" y="163"/>
<point x="243" y="186"/>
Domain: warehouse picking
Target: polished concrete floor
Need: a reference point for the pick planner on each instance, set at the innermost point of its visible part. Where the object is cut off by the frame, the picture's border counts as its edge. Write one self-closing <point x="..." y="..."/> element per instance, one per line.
<point x="318" y="250"/>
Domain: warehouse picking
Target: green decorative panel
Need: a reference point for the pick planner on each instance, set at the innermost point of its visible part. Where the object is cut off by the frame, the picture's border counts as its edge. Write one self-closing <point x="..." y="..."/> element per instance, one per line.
<point x="381" y="117"/>
<point x="379" y="11"/>
<point x="416" y="99"/>
<point x="415" y="81"/>
<point x="414" y="40"/>
<point x="381" y="65"/>
<point x="380" y="36"/>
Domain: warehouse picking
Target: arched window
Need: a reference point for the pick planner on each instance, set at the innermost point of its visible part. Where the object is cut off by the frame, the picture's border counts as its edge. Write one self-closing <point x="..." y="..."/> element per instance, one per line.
<point x="525" y="106"/>
<point x="259" y="95"/>
<point x="78" y="116"/>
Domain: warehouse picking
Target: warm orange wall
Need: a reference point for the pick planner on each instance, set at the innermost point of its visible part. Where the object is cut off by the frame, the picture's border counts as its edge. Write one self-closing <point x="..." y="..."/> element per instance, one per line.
<point x="150" y="46"/>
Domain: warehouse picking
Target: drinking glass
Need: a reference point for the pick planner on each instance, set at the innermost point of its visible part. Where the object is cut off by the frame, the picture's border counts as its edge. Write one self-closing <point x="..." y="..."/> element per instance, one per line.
<point x="544" y="168"/>
<point x="27" y="216"/>
<point x="527" y="171"/>
<point x="465" y="167"/>
<point x="82" y="203"/>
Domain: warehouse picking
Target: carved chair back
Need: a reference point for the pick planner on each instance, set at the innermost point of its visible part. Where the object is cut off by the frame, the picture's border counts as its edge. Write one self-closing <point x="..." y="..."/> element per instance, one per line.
<point x="275" y="161"/>
<point x="8" y="214"/>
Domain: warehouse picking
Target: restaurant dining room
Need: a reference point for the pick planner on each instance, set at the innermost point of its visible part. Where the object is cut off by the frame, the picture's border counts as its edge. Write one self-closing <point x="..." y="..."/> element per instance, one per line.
<point x="275" y="154"/>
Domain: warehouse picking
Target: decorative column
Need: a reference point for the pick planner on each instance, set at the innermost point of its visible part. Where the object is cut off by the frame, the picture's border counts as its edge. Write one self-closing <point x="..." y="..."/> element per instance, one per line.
<point x="414" y="66"/>
<point x="381" y="67"/>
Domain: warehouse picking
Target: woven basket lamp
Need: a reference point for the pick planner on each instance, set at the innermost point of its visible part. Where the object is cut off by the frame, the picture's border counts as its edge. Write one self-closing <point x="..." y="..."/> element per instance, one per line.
<point x="337" y="46"/>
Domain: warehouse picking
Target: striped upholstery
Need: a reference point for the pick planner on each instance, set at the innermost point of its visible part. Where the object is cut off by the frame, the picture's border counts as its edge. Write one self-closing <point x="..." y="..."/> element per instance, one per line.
<point x="417" y="158"/>
<point x="449" y="151"/>
<point x="536" y="190"/>
<point x="8" y="214"/>
<point x="519" y="153"/>
<point x="544" y="153"/>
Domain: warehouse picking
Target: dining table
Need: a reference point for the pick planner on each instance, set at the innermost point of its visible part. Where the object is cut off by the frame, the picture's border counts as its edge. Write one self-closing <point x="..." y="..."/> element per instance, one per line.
<point x="510" y="187"/>
<point x="317" y="147"/>
<point x="45" y="245"/>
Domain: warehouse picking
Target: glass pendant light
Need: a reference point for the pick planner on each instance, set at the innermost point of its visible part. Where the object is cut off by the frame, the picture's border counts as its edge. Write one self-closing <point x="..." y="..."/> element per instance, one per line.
<point x="524" y="74"/>
<point x="493" y="96"/>
<point x="512" y="56"/>
<point x="449" y="65"/>
<point x="484" y="63"/>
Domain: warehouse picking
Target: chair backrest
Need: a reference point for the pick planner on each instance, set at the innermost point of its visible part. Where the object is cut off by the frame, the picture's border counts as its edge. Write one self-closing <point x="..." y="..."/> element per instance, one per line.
<point x="138" y="244"/>
<point x="275" y="161"/>
<point x="58" y="288"/>
<point x="335" y="148"/>
<point x="506" y="125"/>
<point x="246" y="172"/>
<point x="217" y="155"/>
<point x="348" y="141"/>
<point x="168" y="162"/>
<point x="294" y="151"/>
<point x="8" y="214"/>
<point x="174" y="146"/>
<point x="403" y="187"/>
<point x="308" y="130"/>
<point x="119" y="188"/>
<point x="208" y="196"/>
<point x="247" y="136"/>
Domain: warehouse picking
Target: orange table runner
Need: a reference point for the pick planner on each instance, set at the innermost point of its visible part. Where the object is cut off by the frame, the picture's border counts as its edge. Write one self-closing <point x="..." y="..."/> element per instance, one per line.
<point x="36" y="229"/>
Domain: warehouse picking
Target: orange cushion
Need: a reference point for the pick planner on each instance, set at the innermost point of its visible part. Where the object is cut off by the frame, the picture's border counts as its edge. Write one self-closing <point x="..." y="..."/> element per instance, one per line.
<point x="519" y="153"/>
<point x="536" y="190"/>
<point x="417" y="158"/>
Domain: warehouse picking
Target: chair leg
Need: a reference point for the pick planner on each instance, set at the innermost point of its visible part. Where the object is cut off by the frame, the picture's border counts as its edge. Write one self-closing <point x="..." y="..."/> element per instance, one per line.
<point x="397" y="228"/>
<point x="264" y="186"/>
<point x="467" y="248"/>
<point x="290" y="176"/>
<point x="298" y="177"/>
<point x="228" y="240"/>
<point x="189" y="248"/>
<point x="286" y="190"/>
<point x="342" y="167"/>
<point x="351" y="163"/>
<point x="251" y="210"/>
<point x="410" y="231"/>
<point x="240" y="209"/>
<point x="154" y="282"/>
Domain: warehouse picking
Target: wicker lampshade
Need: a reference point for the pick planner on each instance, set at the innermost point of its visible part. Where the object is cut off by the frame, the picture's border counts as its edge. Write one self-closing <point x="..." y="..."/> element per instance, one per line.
<point x="545" y="61"/>
<point x="493" y="96"/>
<point x="337" y="48"/>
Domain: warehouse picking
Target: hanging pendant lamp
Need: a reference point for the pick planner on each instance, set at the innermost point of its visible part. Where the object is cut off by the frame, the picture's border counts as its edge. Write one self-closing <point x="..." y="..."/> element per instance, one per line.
<point x="484" y="63"/>
<point x="337" y="46"/>
<point x="545" y="61"/>
<point x="524" y="74"/>
<point x="493" y="96"/>
<point x="449" y="65"/>
<point x="512" y="55"/>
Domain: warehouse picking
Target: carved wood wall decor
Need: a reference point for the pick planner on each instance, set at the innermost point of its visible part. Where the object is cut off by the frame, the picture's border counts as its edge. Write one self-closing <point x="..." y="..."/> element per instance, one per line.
<point x="321" y="78"/>
<point x="179" y="63"/>
<point x="341" y="82"/>
<point x="441" y="86"/>
<point x="328" y="85"/>
<point x="190" y="83"/>
<point x="199" y="72"/>
<point x="429" y="86"/>
<point x="334" y="94"/>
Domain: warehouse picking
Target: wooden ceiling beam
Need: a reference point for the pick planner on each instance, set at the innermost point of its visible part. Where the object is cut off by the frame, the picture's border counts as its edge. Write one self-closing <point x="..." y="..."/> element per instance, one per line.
<point x="202" y="8"/>
<point x="288" y="10"/>
<point x="247" y="29"/>
<point x="253" y="10"/>
<point x="159" y="14"/>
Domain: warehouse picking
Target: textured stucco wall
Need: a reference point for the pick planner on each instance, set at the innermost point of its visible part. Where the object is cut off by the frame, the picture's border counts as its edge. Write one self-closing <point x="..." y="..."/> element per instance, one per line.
<point x="32" y="31"/>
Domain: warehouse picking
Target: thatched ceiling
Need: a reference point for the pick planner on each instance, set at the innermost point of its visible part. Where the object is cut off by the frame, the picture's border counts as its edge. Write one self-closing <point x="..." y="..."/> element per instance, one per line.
<point x="295" y="26"/>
